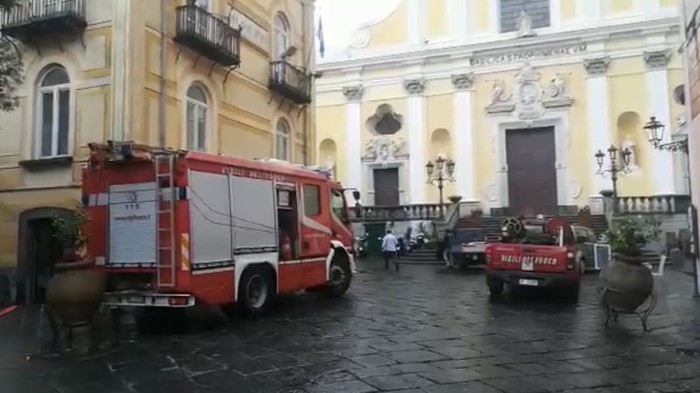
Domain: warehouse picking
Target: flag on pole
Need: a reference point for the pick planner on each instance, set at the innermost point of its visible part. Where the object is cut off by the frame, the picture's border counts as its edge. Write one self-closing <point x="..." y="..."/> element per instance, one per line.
<point x="319" y="36"/>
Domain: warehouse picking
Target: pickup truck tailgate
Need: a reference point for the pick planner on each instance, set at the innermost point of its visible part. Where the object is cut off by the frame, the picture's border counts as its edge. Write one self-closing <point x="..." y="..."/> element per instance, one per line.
<point x="527" y="258"/>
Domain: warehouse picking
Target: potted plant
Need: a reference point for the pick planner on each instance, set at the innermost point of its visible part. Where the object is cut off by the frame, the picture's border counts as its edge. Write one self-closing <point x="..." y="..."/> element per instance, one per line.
<point x="627" y="282"/>
<point x="74" y="294"/>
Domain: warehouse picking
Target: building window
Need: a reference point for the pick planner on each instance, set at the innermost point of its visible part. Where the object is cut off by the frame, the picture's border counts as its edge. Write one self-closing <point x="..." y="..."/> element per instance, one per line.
<point x="510" y="10"/>
<point x="282" y="140"/>
<point x="197" y="118"/>
<point x="53" y="109"/>
<point x="282" y="36"/>
<point x="312" y="202"/>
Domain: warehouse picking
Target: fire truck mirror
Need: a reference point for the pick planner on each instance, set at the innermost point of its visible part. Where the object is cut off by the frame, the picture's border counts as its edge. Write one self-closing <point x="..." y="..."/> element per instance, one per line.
<point x="356" y="195"/>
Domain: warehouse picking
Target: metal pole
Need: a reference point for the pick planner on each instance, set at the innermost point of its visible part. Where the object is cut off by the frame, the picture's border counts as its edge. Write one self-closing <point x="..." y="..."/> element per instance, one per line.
<point x="442" y="207"/>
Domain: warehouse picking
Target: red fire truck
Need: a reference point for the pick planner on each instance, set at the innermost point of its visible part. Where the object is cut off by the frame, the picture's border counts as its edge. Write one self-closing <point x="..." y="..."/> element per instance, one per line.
<point x="174" y="228"/>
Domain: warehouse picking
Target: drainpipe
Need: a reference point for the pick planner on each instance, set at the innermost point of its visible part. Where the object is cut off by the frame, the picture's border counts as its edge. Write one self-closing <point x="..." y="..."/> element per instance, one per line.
<point x="163" y="67"/>
<point x="305" y="65"/>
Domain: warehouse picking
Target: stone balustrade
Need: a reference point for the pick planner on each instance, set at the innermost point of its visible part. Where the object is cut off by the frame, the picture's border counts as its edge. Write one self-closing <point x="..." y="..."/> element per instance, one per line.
<point x="417" y="212"/>
<point x="660" y="204"/>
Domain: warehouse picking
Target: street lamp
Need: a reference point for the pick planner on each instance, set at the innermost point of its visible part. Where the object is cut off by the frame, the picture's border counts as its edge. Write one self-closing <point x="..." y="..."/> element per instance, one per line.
<point x="655" y="133"/>
<point x="616" y="167"/>
<point x="443" y="176"/>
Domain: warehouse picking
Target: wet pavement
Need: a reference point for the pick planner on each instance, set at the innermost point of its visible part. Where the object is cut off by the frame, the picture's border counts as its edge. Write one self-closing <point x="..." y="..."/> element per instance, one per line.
<point x="423" y="329"/>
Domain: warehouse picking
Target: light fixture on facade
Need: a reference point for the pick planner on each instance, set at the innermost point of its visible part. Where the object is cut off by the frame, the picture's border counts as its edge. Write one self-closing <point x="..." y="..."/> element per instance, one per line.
<point x="655" y="134"/>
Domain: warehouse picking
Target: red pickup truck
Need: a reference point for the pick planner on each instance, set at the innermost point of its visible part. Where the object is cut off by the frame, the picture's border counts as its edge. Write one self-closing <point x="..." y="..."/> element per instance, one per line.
<point x="535" y="253"/>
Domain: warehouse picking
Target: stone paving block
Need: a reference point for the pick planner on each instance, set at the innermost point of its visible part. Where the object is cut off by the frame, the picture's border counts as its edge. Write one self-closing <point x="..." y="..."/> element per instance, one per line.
<point x="373" y="360"/>
<point x="415" y="356"/>
<point x="396" y="382"/>
<point x="342" y="386"/>
<point x="452" y="375"/>
<point x="467" y="387"/>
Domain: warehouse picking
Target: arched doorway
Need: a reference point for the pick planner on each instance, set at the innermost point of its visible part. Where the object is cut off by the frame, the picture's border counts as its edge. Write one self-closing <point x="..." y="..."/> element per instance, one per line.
<point x="37" y="252"/>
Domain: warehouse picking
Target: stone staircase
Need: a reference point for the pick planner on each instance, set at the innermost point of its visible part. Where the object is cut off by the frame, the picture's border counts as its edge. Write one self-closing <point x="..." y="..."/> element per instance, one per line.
<point x="491" y="225"/>
<point x="421" y="257"/>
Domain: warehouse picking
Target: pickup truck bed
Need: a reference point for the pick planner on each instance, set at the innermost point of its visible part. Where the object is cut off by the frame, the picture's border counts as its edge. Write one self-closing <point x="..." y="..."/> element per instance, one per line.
<point x="515" y="264"/>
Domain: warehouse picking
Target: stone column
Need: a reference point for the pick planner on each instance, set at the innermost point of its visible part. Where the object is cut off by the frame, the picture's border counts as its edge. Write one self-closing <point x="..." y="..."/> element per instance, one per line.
<point x="598" y="114"/>
<point x="353" y="130"/>
<point x="463" y="149"/>
<point x="658" y="104"/>
<point x="417" y="20"/>
<point x="415" y="124"/>
<point x="590" y="10"/>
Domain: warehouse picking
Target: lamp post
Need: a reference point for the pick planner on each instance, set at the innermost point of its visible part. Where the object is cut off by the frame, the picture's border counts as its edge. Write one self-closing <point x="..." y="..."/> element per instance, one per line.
<point x="655" y="134"/>
<point x="616" y="167"/>
<point x="440" y="174"/>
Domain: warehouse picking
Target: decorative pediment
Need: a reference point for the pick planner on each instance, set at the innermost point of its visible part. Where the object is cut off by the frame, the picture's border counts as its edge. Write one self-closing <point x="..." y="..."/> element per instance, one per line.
<point x="384" y="149"/>
<point x="530" y="98"/>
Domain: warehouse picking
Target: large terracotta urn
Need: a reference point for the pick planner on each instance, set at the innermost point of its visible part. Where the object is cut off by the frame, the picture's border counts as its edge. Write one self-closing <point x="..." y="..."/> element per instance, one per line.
<point x="74" y="294"/>
<point x="627" y="283"/>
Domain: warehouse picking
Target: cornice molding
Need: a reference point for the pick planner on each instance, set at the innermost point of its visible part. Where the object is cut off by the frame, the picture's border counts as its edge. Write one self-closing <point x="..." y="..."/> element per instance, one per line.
<point x="399" y="55"/>
<point x="332" y="84"/>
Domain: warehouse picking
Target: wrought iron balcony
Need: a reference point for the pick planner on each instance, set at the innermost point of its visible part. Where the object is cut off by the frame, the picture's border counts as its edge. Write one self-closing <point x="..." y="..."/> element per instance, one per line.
<point x="290" y="82"/>
<point x="33" y="18"/>
<point x="208" y="35"/>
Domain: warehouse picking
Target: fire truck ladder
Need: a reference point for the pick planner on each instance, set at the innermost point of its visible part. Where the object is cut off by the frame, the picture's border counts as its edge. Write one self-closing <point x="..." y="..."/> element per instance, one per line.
<point x="164" y="165"/>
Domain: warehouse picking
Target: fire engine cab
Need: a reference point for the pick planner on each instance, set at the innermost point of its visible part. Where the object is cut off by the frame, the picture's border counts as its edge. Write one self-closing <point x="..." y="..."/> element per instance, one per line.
<point x="171" y="228"/>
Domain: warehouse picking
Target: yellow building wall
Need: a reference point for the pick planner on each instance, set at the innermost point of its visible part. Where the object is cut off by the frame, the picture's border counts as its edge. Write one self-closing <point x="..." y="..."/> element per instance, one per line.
<point x="482" y="16"/>
<point x="568" y="10"/>
<point x="668" y="3"/>
<point x="22" y="189"/>
<point x="610" y="8"/>
<point x="245" y="114"/>
<point x="437" y="20"/>
<point x="626" y="75"/>
<point x="392" y="30"/>
<point x="332" y="137"/>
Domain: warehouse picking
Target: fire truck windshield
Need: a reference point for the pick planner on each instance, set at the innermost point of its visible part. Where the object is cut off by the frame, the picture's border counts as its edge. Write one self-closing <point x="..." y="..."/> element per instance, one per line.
<point x="338" y="204"/>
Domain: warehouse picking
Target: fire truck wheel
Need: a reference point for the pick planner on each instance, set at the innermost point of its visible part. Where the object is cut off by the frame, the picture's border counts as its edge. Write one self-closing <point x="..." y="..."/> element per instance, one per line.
<point x="340" y="276"/>
<point x="256" y="290"/>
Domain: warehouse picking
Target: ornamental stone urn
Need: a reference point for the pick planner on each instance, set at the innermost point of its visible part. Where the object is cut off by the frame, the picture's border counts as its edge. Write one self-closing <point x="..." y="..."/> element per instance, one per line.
<point x="627" y="283"/>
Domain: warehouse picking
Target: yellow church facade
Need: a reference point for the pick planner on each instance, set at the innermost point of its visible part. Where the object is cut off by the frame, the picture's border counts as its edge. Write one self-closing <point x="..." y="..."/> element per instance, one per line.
<point x="232" y="78"/>
<point x="519" y="94"/>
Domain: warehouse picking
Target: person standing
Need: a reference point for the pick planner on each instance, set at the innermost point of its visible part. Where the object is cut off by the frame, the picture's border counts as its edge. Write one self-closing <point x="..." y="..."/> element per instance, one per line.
<point x="389" y="249"/>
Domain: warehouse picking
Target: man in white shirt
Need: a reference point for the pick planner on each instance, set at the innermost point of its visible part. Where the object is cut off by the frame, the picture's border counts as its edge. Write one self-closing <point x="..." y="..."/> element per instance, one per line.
<point x="390" y="247"/>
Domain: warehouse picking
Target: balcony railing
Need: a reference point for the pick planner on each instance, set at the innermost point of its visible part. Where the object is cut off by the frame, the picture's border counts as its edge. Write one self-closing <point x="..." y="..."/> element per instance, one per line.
<point x="422" y="212"/>
<point x="290" y="82"/>
<point x="43" y="17"/>
<point x="208" y="35"/>
<point x="661" y="204"/>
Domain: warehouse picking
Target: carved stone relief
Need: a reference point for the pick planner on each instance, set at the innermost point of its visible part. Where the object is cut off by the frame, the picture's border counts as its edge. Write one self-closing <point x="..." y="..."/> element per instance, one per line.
<point x="491" y="193"/>
<point x="463" y="81"/>
<point x="532" y="99"/>
<point x="524" y="25"/>
<point x="383" y="149"/>
<point x="414" y="86"/>
<point x="657" y="59"/>
<point x="353" y="93"/>
<point x="597" y="65"/>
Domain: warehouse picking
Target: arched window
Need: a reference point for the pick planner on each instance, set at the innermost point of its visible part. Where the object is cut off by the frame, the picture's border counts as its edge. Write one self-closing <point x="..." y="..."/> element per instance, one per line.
<point x="282" y="140"/>
<point x="53" y="113"/>
<point x="282" y="35"/>
<point x="197" y="118"/>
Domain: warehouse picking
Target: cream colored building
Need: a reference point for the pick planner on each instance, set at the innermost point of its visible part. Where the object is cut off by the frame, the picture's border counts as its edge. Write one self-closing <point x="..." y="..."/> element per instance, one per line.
<point x="520" y="94"/>
<point x="101" y="69"/>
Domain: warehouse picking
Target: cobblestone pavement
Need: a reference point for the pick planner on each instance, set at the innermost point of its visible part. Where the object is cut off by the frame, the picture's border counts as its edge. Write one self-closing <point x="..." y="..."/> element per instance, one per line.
<point x="423" y="329"/>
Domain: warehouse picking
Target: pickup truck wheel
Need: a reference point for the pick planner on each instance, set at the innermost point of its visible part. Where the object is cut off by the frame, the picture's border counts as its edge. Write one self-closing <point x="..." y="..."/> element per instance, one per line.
<point x="496" y="287"/>
<point x="256" y="291"/>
